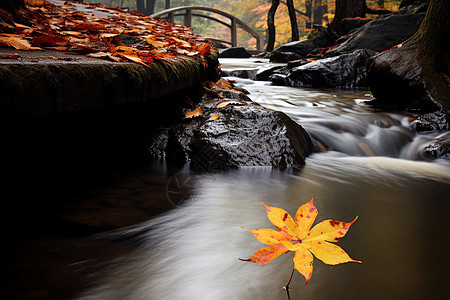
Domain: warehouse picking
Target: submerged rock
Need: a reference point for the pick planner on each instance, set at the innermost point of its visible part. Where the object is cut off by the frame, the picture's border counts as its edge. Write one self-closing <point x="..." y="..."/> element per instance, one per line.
<point x="243" y="135"/>
<point x="347" y="70"/>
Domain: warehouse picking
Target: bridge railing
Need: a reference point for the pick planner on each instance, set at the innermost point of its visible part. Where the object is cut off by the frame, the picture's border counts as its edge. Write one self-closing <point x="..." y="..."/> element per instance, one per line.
<point x="187" y="13"/>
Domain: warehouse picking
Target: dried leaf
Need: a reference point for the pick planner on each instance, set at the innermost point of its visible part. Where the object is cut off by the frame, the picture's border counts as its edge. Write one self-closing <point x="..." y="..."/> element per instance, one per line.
<point x="17" y="42"/>
<point x="296" y="235"/>
<point x="194" y="113"/>
<point x="10" y="56"/>
<point x="213" y="117"/>
<point x="230" y="102"/>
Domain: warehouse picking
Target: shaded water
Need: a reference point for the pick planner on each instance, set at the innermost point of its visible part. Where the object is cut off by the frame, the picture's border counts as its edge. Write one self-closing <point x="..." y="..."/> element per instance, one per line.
<point x="192" y="250"/>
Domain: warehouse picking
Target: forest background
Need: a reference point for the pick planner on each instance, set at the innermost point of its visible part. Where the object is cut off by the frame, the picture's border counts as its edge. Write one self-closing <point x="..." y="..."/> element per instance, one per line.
<point x="254" y="14"/>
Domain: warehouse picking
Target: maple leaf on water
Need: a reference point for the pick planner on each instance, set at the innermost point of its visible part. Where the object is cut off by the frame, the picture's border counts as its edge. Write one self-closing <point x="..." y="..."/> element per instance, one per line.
<point x="296" y="235"/>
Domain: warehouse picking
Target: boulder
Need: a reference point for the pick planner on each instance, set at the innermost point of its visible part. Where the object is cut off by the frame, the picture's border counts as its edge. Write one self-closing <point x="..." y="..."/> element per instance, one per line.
<point x="264" y="73"/>
<point x="283" y="57"/>
<point x="300" y="49"/>
<point x="246" y="134"/>
<point x="349" y="24"/>
<point x="437" y="120"/>
<point x="344" y="71"/>
<point x="381" y="34"/>
<point x="440" y="148"/>
<point x="234" y="52"/>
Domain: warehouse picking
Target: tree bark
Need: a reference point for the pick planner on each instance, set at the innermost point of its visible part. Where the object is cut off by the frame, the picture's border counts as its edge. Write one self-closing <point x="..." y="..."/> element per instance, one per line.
<point x="347" y="9"/>
<point x="150" y="7"/>
<point x="271" y="25"/>
<point x="417" y="73"/>
<point x="293" y="18"/>
<point x="140" y="6"/>
<point x="308" y="12"/>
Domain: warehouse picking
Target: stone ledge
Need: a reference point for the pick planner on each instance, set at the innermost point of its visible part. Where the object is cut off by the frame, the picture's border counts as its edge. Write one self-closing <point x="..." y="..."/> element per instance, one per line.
<point x="50" y="82"/>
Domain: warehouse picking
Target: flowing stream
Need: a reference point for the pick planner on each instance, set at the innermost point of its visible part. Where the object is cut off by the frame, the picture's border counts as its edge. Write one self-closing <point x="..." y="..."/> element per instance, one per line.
<point x="373" y="169"/>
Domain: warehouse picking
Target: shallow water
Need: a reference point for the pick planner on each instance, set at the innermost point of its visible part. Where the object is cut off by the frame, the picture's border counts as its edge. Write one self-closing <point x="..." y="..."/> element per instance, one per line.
<point x="373" y="169"/>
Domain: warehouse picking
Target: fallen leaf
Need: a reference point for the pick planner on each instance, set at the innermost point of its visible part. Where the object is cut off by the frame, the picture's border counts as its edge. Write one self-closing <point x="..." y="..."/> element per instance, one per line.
<point x="296" y="235"/>
<point x="194" y="113"/>
<point x="230" y="102"/>
<point x="17" y="42"/>
<point x="133" y="57"/>
<point x="213" y="117"/>
<point x="10" y="56"/>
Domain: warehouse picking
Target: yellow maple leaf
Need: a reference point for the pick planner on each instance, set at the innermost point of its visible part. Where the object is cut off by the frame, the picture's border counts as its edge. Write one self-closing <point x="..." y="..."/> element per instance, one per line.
<point x="296" y="235"/>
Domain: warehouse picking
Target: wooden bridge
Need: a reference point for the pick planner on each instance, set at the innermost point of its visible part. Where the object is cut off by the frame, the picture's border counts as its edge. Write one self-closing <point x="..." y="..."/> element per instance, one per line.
<point x="191" y="11"/>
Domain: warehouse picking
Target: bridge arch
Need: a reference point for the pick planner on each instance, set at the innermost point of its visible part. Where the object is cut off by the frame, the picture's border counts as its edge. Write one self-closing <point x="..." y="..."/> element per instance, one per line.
<point x="187" y="13"/>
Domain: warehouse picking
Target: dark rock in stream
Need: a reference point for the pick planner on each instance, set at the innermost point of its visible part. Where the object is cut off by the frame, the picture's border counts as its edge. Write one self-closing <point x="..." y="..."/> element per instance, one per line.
<point x="381" y="34"/>
<point x="244" y="134"/>
<point x="234" y="52"/>
<point x="300" y="49"/>
<point x="347" y="70"/>
<point x="438" y="149"/>
<point x="432" y="121"/>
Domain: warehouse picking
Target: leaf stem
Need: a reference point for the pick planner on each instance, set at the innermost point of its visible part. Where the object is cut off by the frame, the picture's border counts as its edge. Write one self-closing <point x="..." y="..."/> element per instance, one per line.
<point x="289" y="282"/>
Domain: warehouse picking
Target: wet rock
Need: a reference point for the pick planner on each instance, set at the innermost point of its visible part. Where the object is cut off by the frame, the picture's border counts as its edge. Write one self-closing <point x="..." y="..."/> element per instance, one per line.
<point x="347" y="70"/>
<point x="438" y="149"/>
<point x="349" y="24"/>
<point x="301" y="49"/>
<point x="243" y="135"/>
<point x="265" y="73"/>
<point x="283" y="57"/>
<point x="381" y="34"/>
<point x="432" y="121"/>
<point x="234" y="52"/>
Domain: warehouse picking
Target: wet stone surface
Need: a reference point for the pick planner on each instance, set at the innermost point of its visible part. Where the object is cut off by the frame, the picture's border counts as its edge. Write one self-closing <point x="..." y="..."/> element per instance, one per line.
<point x="244" y="134"/>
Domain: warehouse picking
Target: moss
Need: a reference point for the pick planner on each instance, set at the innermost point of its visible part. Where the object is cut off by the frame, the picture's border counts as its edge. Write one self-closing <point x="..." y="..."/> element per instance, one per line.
<point x="78" y="86"/>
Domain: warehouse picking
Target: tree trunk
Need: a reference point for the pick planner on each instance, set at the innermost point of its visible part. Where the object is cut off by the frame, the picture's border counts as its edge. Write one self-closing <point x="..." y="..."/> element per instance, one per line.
<point x="293" y="18"/>
<point x="347" y="9"/>
<point x="140" y="6"/>
<point x="271" y="25"/>
<point x="417" y="73"/>
<point x="150" y="7"/>
<point x="320" y="8"/>
<point x="308" y="12"/>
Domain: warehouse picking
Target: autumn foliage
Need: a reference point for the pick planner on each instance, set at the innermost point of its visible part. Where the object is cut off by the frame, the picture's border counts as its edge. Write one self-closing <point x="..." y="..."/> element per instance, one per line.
<point x="99" y="31"/>
<point x="296" y="235"/>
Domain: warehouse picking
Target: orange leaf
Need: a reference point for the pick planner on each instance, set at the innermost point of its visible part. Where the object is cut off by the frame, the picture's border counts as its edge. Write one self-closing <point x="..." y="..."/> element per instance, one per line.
<point x="134" y="58"/>
<point x="10" y="56"/>
<point x="194" y="113"/>
<point x="295" y="235"/>
<point x="213" y="117"/>
<point x="204" y="49"/>
<point x="17" y="42"/>
<point x="229" y="102"/>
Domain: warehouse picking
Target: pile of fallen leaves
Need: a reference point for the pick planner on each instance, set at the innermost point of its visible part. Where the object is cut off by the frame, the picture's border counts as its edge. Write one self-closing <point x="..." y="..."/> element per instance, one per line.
<point x="99" y="31"/>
